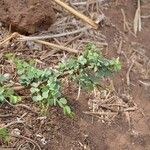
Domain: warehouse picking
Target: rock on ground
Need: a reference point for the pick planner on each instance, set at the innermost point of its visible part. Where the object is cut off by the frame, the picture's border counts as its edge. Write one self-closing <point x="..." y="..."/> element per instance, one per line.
<point x="27" y="16"/>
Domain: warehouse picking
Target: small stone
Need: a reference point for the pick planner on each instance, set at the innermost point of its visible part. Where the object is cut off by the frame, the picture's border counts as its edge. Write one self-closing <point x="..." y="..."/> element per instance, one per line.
<point x="103" y="94"/>
<point x="16" y="131"/>
<point x="43" y="140"/>
<point x="34" y="46"/>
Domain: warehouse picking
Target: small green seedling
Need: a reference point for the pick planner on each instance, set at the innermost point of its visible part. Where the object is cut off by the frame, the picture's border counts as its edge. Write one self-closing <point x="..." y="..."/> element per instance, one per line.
<point x="6" y="92"/>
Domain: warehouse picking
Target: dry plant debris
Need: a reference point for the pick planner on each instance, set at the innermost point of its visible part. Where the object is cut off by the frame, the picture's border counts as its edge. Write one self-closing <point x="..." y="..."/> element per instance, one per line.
<point x="106" y="105"/>
<point x="137" y="18"/>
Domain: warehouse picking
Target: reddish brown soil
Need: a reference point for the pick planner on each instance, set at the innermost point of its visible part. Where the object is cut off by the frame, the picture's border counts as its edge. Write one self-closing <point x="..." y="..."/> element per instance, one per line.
<point x="27" y="16"/>
<point x="129" y="131"/>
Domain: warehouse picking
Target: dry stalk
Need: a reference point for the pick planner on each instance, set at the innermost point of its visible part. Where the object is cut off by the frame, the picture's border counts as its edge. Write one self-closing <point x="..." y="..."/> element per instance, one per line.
<point x="77" y="14"/>
<point x="137" y="19"/>
<point x="13" y="123"/>
<point x="126" y="24"/>
<point x="42" y="37"/>
<point x="120" y="47"/>
<point x="100" y="113"/>
<point x="28" y="139"/>
<point x="128" y="73"/>
<point x="56" y="46"/>
<point x="41" y="42"/>
<point x="15" y="34"/>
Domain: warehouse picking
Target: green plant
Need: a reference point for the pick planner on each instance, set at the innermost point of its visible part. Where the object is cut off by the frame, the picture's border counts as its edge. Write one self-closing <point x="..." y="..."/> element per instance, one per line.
<point x="4" y="134"/>
<point x="89" y="67"/>
<point x="6" y="92"/>
<point x="43" y="83"/>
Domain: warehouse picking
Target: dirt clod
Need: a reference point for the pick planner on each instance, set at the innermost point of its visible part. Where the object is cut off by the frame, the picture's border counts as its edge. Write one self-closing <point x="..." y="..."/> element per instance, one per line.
<point x="27" y="16"/>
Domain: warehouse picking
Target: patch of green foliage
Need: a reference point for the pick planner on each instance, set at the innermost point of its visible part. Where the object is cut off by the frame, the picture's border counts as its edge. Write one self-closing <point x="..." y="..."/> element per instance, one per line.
<point x="6" y="92"/>
<point x="87" y="69"/>
<point x="43" y="83"/>
<point x="4" y="135"/>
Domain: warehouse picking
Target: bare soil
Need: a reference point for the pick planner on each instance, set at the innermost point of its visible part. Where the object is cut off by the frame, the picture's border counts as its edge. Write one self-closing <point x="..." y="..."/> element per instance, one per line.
<point x="127" y="131"/>
<point x="27" y="16"/>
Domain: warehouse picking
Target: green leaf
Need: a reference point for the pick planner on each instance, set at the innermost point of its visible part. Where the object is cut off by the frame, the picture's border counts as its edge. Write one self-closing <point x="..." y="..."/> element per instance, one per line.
<point x="51" y="101"/>
<point x="95" y="68"/>
<point x="4" y="134"/>
<point x="9" y="56"/>
<point x="2" y="98"/>
<point x="35" y="84"/>
<point x="9" y="92"/>
<point x="1" y="90"/>
<point x="45" y="94"/>
<point x="20" y="71"/>
<point x="67" y="110"/>
<point x="71" y="63"/>
<point x="63" y="101"/>
<point x="37" y="98"/>
<point x="46" y="73"/>
<point x="34" y="90"/>
<point x="3" y="78"/>
<point x="60" y="104"/>
<point x="82" y="60"/>
<point x="15" y="99"/>
<point x="117" y="64"/>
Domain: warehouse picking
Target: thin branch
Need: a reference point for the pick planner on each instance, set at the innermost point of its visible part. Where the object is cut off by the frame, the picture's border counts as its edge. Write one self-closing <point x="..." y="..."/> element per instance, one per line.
<point x="78" y="14"/>
<point x="15" y="34"/>
<point x="100" y="113"/>
<point x="28" y="139"/>
<point x="13" y="123"/>
<point x="128" y="73"/>
<point x="41" y="42"/>
<point x="57" y="46"/>
<point x="42" y="37"/>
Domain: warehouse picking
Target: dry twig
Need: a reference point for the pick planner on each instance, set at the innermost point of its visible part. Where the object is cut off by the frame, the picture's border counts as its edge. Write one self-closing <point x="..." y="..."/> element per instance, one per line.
<point x="42" y="37"/>
<point x="41" y="42"/>
<point x="15" y="34"/>
<point x="56" y="46"/>
<point x="126" y="24"/>
<point x="12" y="123"/>
<point x="76" y="13"/>
<point x="100" y="113"/>
<point x="128" y="73"/>
<point x="28" y="139"/>
<point x="137" y="19"/>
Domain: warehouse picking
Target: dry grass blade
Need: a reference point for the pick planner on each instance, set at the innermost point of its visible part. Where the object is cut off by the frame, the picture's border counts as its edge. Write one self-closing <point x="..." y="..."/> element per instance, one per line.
<point x="145" y="17"/>
<point x="137" y="19"/>
<point x="128" y="73"/>
<point x="140" y="23"/>
<point x="78" y="14"/>
<point x="100" y="113"/>
<point x="126" y="26"/>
